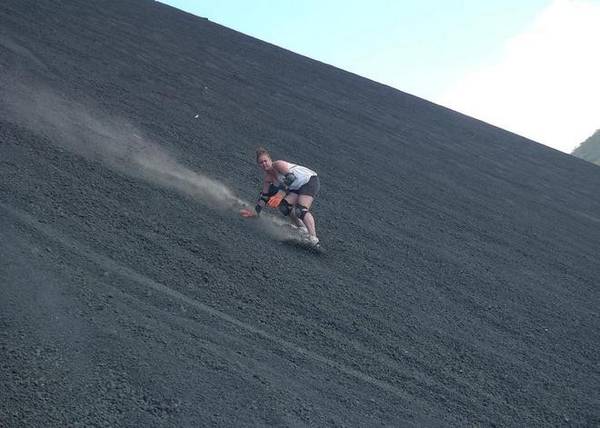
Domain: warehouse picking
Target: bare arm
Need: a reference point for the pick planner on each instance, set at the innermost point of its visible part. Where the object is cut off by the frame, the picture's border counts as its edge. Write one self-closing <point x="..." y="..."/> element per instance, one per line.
<point x="266" y="183"/>
<point x="282" y="167"/>
<point x="262" y="198"/>
<point x="268" y="191"/>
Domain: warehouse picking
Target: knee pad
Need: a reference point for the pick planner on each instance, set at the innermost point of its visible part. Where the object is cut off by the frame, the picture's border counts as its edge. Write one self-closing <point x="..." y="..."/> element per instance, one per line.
<point x="300" y="211"/>
<point x="284" y="207"/>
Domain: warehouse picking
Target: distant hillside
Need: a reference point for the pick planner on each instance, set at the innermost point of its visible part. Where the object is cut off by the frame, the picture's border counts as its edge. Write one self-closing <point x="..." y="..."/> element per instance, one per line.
<point x="590" y="149"/>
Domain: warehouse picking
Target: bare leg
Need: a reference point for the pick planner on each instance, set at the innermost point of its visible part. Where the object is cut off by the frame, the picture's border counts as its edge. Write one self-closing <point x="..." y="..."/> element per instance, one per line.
<point x="309" y="220"/>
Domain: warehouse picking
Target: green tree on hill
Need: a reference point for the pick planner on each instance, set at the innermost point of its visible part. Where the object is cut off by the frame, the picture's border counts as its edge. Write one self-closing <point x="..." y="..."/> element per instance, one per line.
<point x="589" y="149"/>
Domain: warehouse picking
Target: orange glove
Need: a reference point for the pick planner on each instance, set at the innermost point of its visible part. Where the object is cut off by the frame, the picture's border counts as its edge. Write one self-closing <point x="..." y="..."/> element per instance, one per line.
<point x="276" y="199"/>
<point x="247" y="213"/>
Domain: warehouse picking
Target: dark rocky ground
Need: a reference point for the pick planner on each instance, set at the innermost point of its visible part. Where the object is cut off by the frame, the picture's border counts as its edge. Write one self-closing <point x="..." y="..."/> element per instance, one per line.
<point x="460" y="282"/>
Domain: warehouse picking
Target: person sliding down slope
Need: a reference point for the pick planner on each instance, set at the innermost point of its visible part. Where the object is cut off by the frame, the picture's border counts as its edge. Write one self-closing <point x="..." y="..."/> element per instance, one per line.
<point x="291" y="188"/>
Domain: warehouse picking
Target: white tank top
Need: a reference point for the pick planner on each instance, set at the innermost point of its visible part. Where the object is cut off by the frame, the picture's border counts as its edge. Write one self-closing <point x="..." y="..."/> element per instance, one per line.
<point x="302" y="174"/>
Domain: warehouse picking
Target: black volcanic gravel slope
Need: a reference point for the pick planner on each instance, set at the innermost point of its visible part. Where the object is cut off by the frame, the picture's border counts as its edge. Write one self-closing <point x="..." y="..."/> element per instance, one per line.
<point x="459" y="285"/>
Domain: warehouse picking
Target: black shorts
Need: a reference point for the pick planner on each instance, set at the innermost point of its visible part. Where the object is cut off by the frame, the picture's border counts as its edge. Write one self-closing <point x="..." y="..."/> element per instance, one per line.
<point x="311" y="188"/>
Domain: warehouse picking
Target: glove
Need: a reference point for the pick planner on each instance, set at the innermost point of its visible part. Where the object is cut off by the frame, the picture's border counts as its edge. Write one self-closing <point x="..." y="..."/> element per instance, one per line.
<point x="276" y="199"/>
<point x="248" y="213"/>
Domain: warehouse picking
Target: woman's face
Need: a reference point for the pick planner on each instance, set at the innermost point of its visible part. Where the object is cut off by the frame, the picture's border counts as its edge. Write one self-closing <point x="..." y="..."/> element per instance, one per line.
<point x="265" y="162"/>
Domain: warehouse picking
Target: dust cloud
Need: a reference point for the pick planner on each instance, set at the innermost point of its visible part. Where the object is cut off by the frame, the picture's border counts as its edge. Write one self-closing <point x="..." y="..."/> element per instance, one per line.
<point x="96" y="135"/>
<point x="116" y="143"/>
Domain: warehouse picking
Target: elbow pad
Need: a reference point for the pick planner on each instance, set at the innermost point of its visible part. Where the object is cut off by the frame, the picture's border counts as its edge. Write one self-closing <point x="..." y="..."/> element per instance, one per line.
<point x="289" y="179"/>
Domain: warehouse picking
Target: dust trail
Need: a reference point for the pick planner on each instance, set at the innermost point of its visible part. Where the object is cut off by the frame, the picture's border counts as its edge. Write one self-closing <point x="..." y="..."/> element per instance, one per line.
<point x="115" y="142"/>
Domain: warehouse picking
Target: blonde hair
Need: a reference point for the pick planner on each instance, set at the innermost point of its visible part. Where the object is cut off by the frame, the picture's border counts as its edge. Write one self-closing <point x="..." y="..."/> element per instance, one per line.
<point x="261" y="151"/>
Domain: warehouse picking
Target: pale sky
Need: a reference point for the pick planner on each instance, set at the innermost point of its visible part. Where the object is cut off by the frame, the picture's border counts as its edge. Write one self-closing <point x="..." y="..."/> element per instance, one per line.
<point x="528" y="66"/>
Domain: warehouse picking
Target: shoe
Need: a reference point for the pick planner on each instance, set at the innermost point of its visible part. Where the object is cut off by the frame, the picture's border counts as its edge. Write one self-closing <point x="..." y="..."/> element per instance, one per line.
<point x="313" y="240"/>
